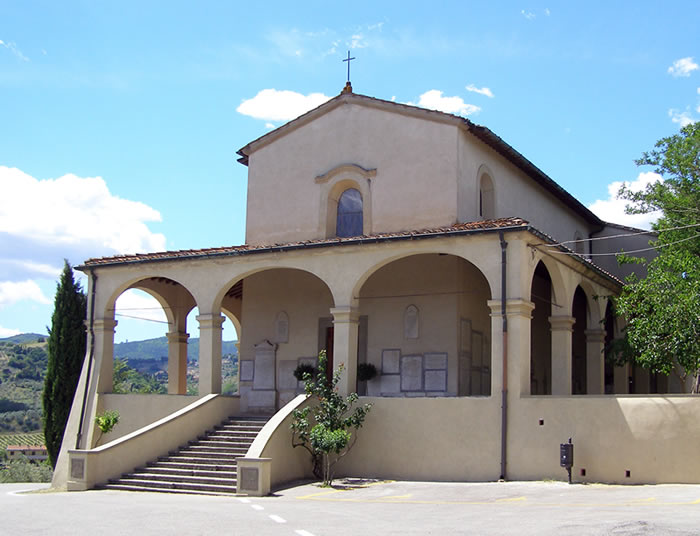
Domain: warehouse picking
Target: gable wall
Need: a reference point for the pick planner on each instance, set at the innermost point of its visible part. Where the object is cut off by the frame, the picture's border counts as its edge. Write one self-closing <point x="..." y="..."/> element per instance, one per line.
<point x="414" y="188"/>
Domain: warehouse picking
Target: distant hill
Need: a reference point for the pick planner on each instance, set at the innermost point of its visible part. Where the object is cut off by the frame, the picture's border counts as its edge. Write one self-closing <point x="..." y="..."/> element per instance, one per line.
<point x="158" y="349"/>
<point x="25" y="338"/>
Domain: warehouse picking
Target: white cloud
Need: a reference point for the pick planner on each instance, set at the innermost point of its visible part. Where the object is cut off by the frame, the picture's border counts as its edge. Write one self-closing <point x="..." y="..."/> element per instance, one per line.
<point x="481" y="91"/>
<point x="43" y="222"/>
<point x="547" y="11"/>
<point x="14" y="291"/>
<point x="434" y="100"/>
<point x="529" y="15"/>
<point x="612" y="209"/>
<point x="357" y="41"/>
<point x="140" y="305"/>
<point x="8" y="332"/>
<point x="12" y="47"/>
<point x="681" y="118"/>
<point x="269" y="126"/>
<point x="683" y="67"/>
<point x="283" y="105"/>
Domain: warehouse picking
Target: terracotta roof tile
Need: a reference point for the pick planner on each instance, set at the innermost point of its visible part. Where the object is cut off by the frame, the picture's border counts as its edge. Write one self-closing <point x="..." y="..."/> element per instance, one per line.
<point x="474" y="226"/>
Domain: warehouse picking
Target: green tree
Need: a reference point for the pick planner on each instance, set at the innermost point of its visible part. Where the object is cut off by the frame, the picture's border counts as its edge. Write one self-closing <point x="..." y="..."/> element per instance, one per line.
<point x="129" y="380"/>
<point x="325" y="426"/>
<point x="663" y="309"/>
<point x="66" y="351"/>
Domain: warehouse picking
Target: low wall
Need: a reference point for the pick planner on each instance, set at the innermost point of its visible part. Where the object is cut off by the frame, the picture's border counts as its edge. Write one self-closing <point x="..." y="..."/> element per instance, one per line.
<point x="90" y="467"/>
<point x="448" y="439"/>
<point x="139" y="410"/>
<point x="274" y="442"/>
<point x="654" y="437"/>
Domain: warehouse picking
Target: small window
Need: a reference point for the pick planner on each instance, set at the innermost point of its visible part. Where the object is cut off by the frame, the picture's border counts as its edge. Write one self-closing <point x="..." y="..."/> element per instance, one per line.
<point x="349" y="221"/>
<point x="486" y="201"/>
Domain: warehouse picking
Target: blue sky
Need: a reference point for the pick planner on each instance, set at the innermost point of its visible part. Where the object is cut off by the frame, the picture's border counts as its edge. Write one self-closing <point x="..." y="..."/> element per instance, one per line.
<point x="120" y="121"/>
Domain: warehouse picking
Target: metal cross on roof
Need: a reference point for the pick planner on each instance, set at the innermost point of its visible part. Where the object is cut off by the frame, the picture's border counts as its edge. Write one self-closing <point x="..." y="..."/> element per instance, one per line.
<point x="349" y="59"/>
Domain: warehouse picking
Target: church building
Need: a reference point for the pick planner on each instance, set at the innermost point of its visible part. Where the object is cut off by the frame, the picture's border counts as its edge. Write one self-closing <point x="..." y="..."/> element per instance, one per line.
<point x="423" y="244"/>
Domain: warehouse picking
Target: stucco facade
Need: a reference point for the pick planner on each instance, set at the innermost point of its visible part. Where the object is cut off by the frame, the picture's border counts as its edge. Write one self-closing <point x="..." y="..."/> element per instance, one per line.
<point x="457" y="229"/>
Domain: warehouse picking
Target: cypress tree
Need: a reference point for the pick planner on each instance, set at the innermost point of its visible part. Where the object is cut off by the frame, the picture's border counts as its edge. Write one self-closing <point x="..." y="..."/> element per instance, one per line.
<point x="66" y="351"/>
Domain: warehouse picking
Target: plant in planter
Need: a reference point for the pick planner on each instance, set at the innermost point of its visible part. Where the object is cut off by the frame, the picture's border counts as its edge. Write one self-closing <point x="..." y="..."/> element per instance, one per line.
<point x="304" y="371"/>
<point x="106" y="421"/>
<point x="366" y="372"/>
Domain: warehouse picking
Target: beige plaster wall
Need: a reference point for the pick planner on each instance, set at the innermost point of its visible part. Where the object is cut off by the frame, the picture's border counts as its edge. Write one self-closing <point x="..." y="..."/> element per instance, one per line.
<point x="515" y="193"/>
<point x="139" y="410"/>
<point x="449" y="439"/>
<point x="654" y="437"/>
<point x="414" y="187"/>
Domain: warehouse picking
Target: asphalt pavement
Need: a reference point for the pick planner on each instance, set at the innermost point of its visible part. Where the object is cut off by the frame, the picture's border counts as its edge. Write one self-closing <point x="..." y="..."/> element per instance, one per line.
<point x="363" y="507"/>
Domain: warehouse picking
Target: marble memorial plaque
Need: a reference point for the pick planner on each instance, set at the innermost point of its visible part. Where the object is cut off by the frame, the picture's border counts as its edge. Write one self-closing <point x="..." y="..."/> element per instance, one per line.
<point x="390" y="384"/>
<point x="262" y="399"/>
<point x="436" y="361"/>
<point x="391" y="361"/>
<point x="264" y="377"/>
<point x="412" y="373"/>
<point x="435" y="380"/>
<point x="247" y="368"/>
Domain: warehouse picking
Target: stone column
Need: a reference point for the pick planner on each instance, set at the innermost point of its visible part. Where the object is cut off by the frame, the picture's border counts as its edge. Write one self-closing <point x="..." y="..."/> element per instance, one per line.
<point x="561" y="327"/>
<point x="595" y="361"/>
<point x="622" y="379"/>
<point x="177" y="362"/>
<point x="210" y="353"/>
<point x="519" y="314"/>
<point x="104" y="353"/>
<point x="345" y="331"/>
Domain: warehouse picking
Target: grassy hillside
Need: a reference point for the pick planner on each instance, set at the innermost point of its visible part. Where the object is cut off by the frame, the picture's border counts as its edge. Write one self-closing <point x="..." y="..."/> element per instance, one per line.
<point x="22" y="371"/>
<point x="158" y="349"/>
<point x="23" y="362"/>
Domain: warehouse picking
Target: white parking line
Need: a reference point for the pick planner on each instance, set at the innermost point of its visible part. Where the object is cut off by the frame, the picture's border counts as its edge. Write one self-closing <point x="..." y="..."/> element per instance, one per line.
<point x="243" y="500"/>
<point x="19" y="492"/>
<point x="277" y="519"/>
<point x="302" y="532"/>
<point x="257" y="507"/>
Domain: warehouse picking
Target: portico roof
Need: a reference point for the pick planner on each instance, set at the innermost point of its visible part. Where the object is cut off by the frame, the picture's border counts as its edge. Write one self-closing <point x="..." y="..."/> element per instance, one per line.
<point x="506" y="225"/>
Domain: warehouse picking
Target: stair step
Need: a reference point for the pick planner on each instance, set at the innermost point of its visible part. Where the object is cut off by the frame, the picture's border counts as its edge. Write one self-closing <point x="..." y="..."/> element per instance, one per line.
<point x="127" y="487"/>
<point x="146" y="482"/>
<point x="173" y="479"/>
<point x="231" y="473"/>
<point x="206" y="465"/>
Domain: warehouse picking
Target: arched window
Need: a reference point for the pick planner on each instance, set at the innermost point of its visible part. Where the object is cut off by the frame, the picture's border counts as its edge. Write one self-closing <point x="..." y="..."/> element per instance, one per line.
<point x="486" y="201"/>
<point x="349" y="222"/>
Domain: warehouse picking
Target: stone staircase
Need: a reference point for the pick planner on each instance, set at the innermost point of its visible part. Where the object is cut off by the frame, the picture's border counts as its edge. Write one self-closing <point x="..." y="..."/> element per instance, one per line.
<point x="206" y="466"/>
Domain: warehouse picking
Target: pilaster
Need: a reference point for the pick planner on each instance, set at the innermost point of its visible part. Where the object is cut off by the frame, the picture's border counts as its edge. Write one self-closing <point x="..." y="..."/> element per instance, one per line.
<point x="345" y="331"/>
<point x="177" y="362"/>
<point x="561" y="328"/>
<point x="595" y="361"/>
<point x="210" y="353"/>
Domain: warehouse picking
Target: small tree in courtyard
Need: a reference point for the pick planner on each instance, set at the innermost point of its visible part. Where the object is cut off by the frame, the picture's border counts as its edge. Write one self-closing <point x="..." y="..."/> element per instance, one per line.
<point x="66" y="350"/>
<point x="325" y="427"/>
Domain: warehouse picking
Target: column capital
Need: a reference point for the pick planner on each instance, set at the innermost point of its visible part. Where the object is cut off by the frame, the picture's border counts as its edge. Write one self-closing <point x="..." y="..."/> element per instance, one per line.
<point x="562" y="323"/>
<point x="177" y="336"/>
<point x="104" y="324"/>
<point x="514" y="307"/>
<point x="345" y="314"/>
<point x="210" y="320"/>
<point x="595" y="335"/>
